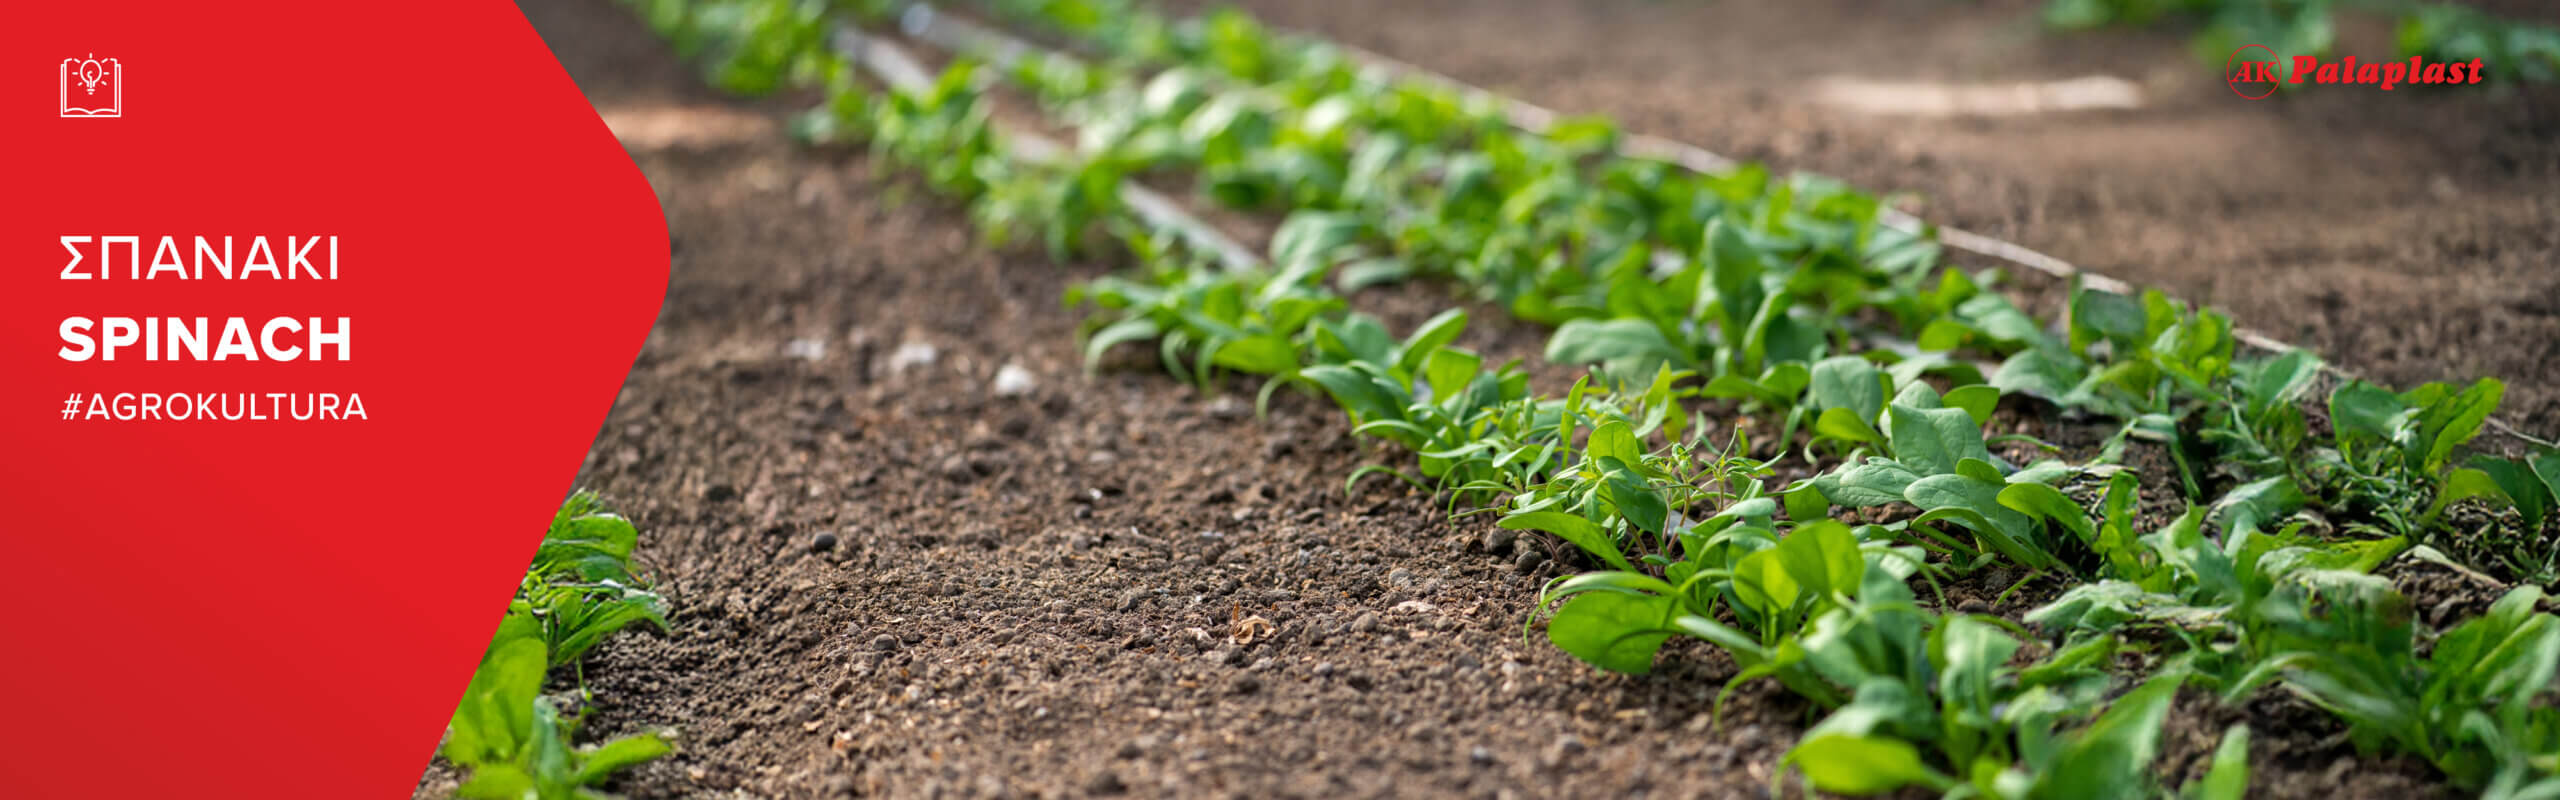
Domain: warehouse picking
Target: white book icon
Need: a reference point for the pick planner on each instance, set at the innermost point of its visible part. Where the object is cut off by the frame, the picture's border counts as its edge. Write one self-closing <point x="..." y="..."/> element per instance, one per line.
<point x="92" y="87"/>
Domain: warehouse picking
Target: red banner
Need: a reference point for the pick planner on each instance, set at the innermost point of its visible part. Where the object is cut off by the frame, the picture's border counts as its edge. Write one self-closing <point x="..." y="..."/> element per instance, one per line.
<point x="310" y="311"/>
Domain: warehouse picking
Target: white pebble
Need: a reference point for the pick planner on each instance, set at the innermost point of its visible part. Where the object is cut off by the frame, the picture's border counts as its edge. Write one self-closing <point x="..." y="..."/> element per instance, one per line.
<point x="913" y="354"/>
<point x="1014" y="381"/>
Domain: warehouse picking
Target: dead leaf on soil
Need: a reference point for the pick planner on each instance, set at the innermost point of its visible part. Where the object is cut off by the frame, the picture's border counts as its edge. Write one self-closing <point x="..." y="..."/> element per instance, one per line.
<point x="1246" y="631"/>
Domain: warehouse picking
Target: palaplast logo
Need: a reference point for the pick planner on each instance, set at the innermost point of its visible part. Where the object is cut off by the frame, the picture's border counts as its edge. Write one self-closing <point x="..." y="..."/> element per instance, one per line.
<point x="2256" y="72"/>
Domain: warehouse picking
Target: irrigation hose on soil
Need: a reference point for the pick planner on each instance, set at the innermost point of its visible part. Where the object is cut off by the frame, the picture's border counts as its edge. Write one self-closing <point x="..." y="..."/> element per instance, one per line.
<point x="891" y="65"/>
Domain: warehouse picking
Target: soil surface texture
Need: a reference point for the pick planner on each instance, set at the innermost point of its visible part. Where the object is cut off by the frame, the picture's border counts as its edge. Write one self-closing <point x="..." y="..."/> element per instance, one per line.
<point x="914" y="550"/>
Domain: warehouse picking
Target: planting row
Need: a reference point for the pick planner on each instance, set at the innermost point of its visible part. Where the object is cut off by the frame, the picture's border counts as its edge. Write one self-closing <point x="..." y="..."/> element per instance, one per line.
<point x="1782" y="298"/>
<point x="508" y="733"/>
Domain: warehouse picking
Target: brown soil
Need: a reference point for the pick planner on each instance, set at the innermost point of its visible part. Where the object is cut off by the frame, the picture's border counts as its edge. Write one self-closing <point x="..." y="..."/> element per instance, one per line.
<point x="890" y="580"/>
<point x="1040" y="595"/>
<point x="2412" y="235"/>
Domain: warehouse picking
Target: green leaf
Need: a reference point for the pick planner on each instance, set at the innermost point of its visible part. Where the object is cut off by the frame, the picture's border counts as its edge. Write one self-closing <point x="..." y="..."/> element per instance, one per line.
<point x="1851" y="384"/>
<point x="2546" y="465"/>
<point x="1871" y="484"/>
<point x="1975" y="503"/>
<point x="2113" y="317"/>
<point x="2035" y="372"/>
<point x="1133" y="329"/>
<point x="1736" y="266"/>
<point x="1971" y="653"/>
<point x="1634" y="497"/>
<point x="2253" y="505"/>
<point x="1449" y="371"/>
<point x="2047" y="503"/>
<point x="2279" y="382"/>
<point x="2116" y="750"/>
<point x="1357" y="337"/>
<point x="2097" y="607"/>
<point x="1434" y="334"/>
<point x="1369" y="272"/>
<point x="1266" y="354"/>
<point x="2228" y="778"/>
<point x="497" y="782"/>
<point x="2363" y="411"/>
<point x="1823" y="557"/>
<point x="619" y="754"/>
<point x="1764" y="584"/>
<point x="2444" y="426"/>
<point x="1613" y="439"/>
<point x="1311" y="238"/>
<point x="1860" y="765"/>
<point x="494" y="721"/>
<point x="1632" y="342"/>
<point x="1977" y="400"/>
<point x="1583" y="533"/>
<point x="1931" y="441"/>
<point x="1845" y="425"/>
<point x="1805" y="503"/>
<point x="589" y="545"/>
<point x="1615" y="631"/>
<point x="1351" y="389"/>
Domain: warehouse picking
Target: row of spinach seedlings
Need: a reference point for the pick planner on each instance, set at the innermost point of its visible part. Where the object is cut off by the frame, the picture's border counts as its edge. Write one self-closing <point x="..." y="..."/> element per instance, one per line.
<point x="1430" y="355"/>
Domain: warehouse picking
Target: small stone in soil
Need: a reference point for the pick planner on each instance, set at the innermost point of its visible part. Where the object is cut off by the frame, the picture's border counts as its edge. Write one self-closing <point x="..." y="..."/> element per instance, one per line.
<point x="1246" y="684"/>
<point x="1480" y="755"/>
<point x="885" y="643"/>
<point x="1014" y="381"/>
<point x="1498" y="541"/>
<point x="1015" y="427"/>
<point x="1368" y="623"/>
<point x="1105" y="782"/>
<point x="1528" y="562"/>
<point x="1566" y="746"/>
<point x="1358" y="680"/>
<point x="822" y="542"/>
<point x="912" y="354"/>
<point x="1974" y="605"/>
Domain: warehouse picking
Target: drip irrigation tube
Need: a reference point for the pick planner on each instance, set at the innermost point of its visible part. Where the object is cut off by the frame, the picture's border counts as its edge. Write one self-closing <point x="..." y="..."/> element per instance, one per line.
<point x="893" y="66"/>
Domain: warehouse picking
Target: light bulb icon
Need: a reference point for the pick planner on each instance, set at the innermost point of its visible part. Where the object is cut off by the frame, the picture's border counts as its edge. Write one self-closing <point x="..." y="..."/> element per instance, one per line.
<point x="91" y="72"/>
